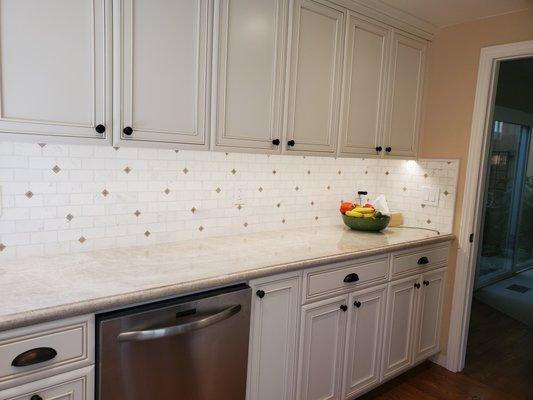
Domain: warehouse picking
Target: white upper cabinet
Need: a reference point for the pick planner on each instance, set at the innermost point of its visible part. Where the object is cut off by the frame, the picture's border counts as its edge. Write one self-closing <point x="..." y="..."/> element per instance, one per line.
<point x="250" y="62"/>
<point x="364" y="87"/>
<point x="315" y="77"/>
<point x="162" y="50"/>
<point x="55" y="69"/>
<point x="405" y="98"/>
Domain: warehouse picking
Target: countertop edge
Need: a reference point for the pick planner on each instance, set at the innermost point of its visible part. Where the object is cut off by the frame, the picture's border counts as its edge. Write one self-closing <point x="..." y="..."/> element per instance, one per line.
<point x="27" y="318"/>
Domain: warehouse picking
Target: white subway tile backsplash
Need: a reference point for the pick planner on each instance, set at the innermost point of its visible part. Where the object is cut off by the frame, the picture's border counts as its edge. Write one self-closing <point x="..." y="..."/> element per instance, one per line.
<point x="68" y="198"/>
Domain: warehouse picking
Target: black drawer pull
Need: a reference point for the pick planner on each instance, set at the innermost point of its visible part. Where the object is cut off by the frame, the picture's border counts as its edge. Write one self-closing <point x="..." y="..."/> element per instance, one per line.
<point x="357" y="304"/>
<point x="260" y="293"/>
<point x="36" y="397"/>
<point x="344" y="307"/>
<point x="350" y="278"/>
<point x="34" y="356"/>
<point x="426" y="283"/>
<point x="291" y="143"/>
<point x="423" y="261"/>
<point x="417" y="285"/>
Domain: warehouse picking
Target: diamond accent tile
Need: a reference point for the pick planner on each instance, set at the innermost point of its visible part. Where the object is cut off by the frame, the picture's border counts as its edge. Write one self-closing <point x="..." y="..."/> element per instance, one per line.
<point x="245" y="224"/>
<point x="233" y="171"/>
<point x="105" y="192"/>
<point x="239" y="206"/>
<point x="2" y="247"/>
<point x="260" y="189"/>
<point x="316" y="218"/>
<point x="366" y="172"/>
<point x="339" y="172"/>
<point x="147" y="233"/>
<point x="274" y="172"/>
<point x="423" y="205"/>
<point x="283" y="221"/>
<point x="426" y="175"/>
<point x="127" y="170"/>
<point x="308" y="172"/>
<point x="116" y="148"/>
<point x="428" y="221"/>
<point x="56" y="169"/>
<point x="404" y="189"/>
<point x="446" y="193"/>
<point x="387" y="173"/>
<point x="29" y="194"/>
<point x="328" y="187"/>
<point x="176" y="151"/>
<point x="137" y="213"/>
<point x="218" y="190"/>
<point x="201" y="228"/>
<point x="69" y="217"/>
<point x="82" y="239"/>
<point x="167" y="191"/>
<point x="278" y="205"/>
<point x="185" y="171"/>
<point x="41" y="144"/>
<point x="194" y="209"/>
<point x="312" y="203"/>
<point x="296" y="188"/>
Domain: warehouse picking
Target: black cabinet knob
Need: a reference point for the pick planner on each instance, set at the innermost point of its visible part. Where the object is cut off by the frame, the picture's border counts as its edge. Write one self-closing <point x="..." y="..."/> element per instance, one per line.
<point x="36" y="397"/>
<point x="379" y="149"/>
<point x="275" y="142"/>
<point x="417" y="285"/>
<point x="260" y="293"/>
<point x="344" y="307"/>
<point x="357" y="304"/>
<point x="127" y="131"/>
<point x="100" y="129"/>
<point x="423" y="261"/>
<point x="388" y="149"/>
<point x="291" y="143"/>
<point x="426" y="283"/>
<point x="350" y="278"/>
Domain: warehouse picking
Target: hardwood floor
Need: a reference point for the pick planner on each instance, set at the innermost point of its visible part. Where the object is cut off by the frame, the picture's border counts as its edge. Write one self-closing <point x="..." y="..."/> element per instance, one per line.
<point x="499" y="366"/>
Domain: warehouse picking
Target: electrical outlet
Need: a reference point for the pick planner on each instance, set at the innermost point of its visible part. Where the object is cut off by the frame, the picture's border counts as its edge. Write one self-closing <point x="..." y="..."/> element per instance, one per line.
<point x="430" y="195"/>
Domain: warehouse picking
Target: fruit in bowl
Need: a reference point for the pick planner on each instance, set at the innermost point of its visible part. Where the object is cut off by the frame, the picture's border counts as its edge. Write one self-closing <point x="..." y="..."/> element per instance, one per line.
<point x="363" y="218"/>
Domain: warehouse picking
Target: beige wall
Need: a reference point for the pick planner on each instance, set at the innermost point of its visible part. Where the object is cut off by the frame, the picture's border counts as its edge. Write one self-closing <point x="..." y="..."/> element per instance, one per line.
<point x="452" y="75"/>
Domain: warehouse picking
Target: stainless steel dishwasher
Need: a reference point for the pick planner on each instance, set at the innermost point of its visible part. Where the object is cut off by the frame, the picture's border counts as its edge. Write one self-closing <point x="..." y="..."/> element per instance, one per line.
<point x="191" y="348"/>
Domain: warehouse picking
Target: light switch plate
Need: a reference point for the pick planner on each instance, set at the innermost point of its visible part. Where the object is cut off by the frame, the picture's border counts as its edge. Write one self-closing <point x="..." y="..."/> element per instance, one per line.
<point x="430" y="195"/>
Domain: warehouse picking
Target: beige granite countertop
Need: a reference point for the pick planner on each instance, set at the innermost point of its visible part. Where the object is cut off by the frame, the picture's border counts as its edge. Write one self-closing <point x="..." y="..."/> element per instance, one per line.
<point x="39" y="289"/>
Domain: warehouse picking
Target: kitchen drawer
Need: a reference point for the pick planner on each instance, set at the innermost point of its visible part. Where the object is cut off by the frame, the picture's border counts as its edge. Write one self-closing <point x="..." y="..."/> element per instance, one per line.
<point x="413" y="261"/>
<point x="65" y="345"/>
<point x="343" y="277"/>
<point x="73" y="385"/>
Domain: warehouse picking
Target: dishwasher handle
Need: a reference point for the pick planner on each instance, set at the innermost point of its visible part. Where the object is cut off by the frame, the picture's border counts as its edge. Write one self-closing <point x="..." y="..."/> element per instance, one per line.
<point x="173" y="330"/>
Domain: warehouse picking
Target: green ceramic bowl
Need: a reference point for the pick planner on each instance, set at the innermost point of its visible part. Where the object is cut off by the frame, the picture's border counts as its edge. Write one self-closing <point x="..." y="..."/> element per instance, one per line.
<point x="366" y="224"/>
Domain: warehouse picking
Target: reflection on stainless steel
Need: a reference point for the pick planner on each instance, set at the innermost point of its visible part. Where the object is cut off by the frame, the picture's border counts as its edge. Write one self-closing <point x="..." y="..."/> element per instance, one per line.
<point x="194" y="348"/>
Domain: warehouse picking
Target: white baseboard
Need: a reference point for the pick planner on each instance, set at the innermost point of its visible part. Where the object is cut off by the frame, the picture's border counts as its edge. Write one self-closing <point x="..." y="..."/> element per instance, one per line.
<point x="440" y="359"/>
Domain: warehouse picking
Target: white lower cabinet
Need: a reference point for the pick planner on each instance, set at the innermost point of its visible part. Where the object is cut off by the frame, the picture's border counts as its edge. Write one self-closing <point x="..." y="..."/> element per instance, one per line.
<point x="74" y="385"/>
<point x="363" y="341"/>
<point x="413" y="321"/>
<point x="321" y="344"/>
<point x="273" y="344"/>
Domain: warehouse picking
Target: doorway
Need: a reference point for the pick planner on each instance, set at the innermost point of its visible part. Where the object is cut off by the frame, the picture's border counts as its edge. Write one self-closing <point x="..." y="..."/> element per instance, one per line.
<point x="500" y="351"/>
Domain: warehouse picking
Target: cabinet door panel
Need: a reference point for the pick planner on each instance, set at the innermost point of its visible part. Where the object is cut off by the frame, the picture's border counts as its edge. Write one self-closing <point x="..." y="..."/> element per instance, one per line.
<point x="315" y="76"/>
<point x="364" y="87"/>
<point x="251" y="67"/>
<point x="401" y="304"/>
<point x="321" y="344"/>
<point x="364" y="339"/>
<point x="54" y="67"/>
<point x="407" y="74"/>
<point x="273" y="344"/>
<point x="429" y="314"/>
<point x="164" y="46"/>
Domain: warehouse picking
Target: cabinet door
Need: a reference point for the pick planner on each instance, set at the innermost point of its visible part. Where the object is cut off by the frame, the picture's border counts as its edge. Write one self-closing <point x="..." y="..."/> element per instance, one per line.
<point x="161" y="51"/>
<point x="401" y="304"/>
<point x="429" y="315"/>
<point x="321" y="344"/>
<point x="73" y="385"/>
<point x="55" y="70"/>
<point x="363" y="341"/>
<point x="250" y="65"/>
<point x="273" y="344"/>
<point x="364" y="87"/>
<point x="316" y="62"/>
<point x="407" y="75"/>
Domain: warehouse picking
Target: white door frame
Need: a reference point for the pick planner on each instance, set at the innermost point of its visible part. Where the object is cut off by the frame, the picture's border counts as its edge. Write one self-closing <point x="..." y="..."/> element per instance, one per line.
<point x="473" y="196"/>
